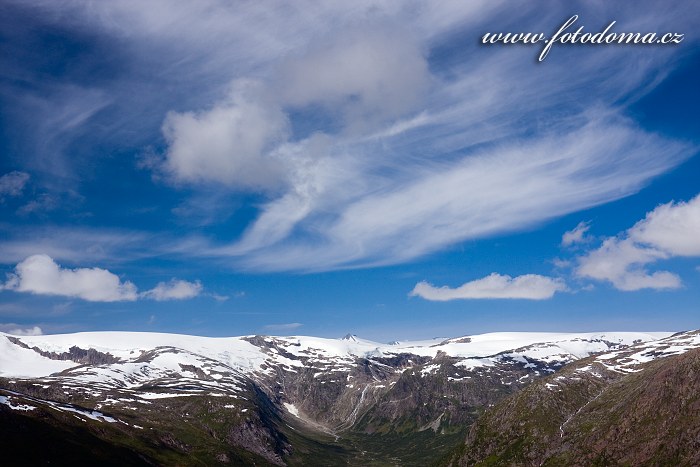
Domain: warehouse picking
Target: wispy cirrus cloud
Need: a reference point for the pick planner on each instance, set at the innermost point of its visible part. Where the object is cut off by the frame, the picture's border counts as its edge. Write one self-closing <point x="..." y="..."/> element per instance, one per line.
<point x="465" y="169"/>
<point x="339" y="222"/>
<point x="12" y="184"/>
<point x="494" y="286"/>
<point x="394" y="146"/>
<point x="576" y="235"/>
<point x="76" y="244"/>
<point x="17" y="330"/>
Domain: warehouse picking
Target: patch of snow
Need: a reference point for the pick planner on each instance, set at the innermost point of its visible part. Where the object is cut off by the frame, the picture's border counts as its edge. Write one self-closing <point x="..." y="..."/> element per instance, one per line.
<point x="292" y="409"/>
<point x="6" y="401"/>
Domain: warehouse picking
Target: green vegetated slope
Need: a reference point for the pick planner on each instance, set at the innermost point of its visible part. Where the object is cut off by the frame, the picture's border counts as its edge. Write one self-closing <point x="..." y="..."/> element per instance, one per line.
<point x="192" y="431"/>
<point x="647" y="417"/>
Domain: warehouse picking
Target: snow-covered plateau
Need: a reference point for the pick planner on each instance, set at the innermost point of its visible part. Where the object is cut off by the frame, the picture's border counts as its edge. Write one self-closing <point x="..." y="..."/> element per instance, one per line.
<point x="130" y="360"/>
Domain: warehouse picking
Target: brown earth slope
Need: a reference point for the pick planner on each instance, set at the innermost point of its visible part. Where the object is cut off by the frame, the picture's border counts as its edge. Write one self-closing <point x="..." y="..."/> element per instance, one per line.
<point x="589" y="414"/>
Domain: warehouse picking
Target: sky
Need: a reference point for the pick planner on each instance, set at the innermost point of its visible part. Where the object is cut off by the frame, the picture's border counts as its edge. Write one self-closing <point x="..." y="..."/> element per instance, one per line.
<point x="228" y="168"/>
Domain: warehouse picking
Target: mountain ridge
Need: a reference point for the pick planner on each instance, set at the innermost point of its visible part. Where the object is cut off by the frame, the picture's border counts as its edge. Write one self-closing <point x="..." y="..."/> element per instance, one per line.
<point x="288" y="399"/>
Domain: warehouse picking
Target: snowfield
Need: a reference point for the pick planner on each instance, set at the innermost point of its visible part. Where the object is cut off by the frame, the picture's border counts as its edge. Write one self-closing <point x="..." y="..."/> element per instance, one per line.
<point x="172" y="354"/>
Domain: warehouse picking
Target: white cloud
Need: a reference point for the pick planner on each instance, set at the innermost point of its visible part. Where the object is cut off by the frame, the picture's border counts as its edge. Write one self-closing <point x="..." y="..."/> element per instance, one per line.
<point x="422" y="146"/>
<point x="344" y="215"/>
<point x="39" y="274"/>
<point x="176" y="289"/>
<point x="228" y="144"/>
<point x="621" y="262"/>
<point x="671" y="227"/>
<point x="670" y="230"/>
<point x="366" y="74"/>
<point x="12" y="184"/>
<point x="19" y="331"/>
<point x="414" y="157"/>
<point x="561" y="263"/>
<point x="576" y="235"/>
<point x="222" y="298"/>
<point x="494" y="286"/>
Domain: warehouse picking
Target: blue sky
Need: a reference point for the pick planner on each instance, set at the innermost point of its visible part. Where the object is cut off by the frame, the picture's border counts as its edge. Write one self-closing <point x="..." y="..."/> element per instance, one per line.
<point x="226" y="168"/>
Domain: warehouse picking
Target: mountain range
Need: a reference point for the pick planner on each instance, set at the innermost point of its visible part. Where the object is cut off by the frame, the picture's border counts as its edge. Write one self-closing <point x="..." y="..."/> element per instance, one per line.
<point x="124" y="398"/>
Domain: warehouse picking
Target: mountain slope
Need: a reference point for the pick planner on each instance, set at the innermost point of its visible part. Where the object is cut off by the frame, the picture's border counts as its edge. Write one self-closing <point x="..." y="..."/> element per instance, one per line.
<point x="637" y="406"/>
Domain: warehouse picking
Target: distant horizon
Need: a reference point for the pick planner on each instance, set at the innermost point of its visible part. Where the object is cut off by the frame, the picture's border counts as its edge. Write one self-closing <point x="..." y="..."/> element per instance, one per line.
<point x="382" y="342"/>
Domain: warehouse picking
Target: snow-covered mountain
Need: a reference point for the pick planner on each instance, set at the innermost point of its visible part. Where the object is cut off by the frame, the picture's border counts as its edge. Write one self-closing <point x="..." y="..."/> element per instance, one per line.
<point x="37" y="356"/>
<point x="180" y="365"/>
<point x="330" y="387"/>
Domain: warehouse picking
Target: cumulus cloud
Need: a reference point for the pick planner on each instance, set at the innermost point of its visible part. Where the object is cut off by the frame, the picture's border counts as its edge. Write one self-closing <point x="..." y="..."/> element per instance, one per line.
<point x="493" y="286"/>
<point x="12" y="184"/>
<point x="176" y="289"/>
<point x="228" y="143"/>
<point x="39" y="274"/>
<point x="20" y="331"/>
<point x="576" y="235"/>
<point x="367" y="75"/>
<point x="670" y="230"/>
<point x="671" y="227"/>
<point x="621" y="262"/>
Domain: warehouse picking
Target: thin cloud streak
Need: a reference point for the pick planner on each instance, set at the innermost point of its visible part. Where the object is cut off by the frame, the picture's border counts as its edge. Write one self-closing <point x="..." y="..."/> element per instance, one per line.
<point x="16" y="330"/>
<point x="12" y="184"/>
<point x="502" y="189"/>
<point x="176" y="289"/>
